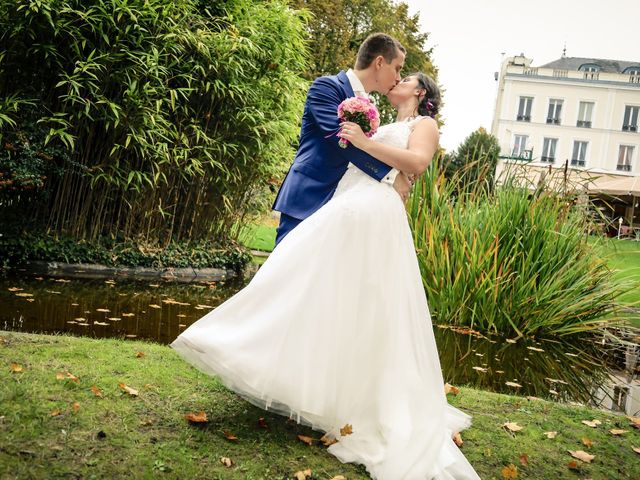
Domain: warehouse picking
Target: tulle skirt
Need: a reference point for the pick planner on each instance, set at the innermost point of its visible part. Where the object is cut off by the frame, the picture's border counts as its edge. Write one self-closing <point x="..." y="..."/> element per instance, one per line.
<point x="334" y="329"/>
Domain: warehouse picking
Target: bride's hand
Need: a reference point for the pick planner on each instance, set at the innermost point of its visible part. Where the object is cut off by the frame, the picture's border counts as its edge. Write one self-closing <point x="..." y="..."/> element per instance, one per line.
<point x="353" y="133"/>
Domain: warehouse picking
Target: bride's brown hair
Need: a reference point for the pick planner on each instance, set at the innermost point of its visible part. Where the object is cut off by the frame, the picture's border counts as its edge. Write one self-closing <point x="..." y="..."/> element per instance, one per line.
<point x="429" y="104"/>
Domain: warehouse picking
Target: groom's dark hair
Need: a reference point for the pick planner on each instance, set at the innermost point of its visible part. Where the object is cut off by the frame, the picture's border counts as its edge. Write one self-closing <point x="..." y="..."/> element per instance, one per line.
<point x="378" y="44"/>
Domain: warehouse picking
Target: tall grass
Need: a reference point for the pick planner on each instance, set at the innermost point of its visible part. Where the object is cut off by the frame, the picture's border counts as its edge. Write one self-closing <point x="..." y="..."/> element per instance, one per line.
<point x="509" y="260"/>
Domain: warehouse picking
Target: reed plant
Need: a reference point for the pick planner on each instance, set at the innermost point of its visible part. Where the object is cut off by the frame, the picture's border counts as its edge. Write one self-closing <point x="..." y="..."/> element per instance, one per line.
<point x="513" y="259"/>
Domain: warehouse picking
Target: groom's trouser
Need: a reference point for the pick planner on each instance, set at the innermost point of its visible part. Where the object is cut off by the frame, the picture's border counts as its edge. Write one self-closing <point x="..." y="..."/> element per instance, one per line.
<point x="287" y="223"/>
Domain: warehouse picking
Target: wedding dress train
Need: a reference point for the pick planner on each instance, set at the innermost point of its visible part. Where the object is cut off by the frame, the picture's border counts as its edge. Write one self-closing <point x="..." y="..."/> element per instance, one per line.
<point x="334" y="329"/>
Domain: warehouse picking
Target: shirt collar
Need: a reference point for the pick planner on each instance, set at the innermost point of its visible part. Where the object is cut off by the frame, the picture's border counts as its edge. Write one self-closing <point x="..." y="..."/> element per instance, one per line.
<point x="355" y="82"/>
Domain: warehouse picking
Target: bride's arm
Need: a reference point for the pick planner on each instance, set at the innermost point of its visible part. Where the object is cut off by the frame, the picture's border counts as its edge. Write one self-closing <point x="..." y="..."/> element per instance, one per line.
<point x="423" y="143"/>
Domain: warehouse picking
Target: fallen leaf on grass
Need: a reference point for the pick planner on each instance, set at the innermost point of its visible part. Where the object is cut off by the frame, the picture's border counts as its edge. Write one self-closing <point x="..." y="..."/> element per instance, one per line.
<point x="96" y="391"/>
<point x="303" y="474"/>
<point x="636" y="449"/>
<point x="200" y="417"/>
<point x="55" y="412"/>
<point x="582" y="455"/>
<point x="573" y="465"/>
<point x="551" y="434"/>
<point x="76" y="407"/>
<point x="591" y="423"/>
<point x="617" y="432"/>
<point x="16" y="368"/>
<point x="15" y="289"/>
<point x="480" y="369"/>
<point x="346" y="430"/>
<point x="140" y="354"/>
<point x="23" y="294"/>
<point x="131" y="391"/>
<point x="226" y="461"/>
<point x="524" y="459"/>
<point x="127" y="314"/>
<point x="67" y="375"/>
<point x="305" y="439"/>
<point x="587" y="442"/>
<point x="512" y="426"/>
<point x="230" y="436"/>
<point x="262" y="423"/>
<point x="457" y="439"/>
<point x="101" y="323"/>
<point x="155" y="306"/>
<point x="104" y="310"/>
<point x="339" y="477"/>
<point x="448" y="388"/>
<point x="510" y="471"/>
<point x="513" y="384"/>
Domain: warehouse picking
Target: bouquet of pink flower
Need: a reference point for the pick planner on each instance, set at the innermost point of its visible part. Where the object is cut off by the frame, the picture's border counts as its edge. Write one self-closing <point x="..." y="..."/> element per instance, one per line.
<point x="359" y="110"/>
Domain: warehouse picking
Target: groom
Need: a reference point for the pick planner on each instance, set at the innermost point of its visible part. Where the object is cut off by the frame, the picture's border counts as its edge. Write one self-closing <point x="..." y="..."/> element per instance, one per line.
<point x="320" y="162"/>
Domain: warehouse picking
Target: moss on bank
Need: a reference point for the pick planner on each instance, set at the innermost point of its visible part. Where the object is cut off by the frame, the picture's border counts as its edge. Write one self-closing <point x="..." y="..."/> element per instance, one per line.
<point x="146" y="436"/>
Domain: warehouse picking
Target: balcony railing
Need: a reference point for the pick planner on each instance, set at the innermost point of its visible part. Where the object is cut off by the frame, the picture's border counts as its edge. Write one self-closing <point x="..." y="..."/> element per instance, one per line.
<point x="553" y="121"/>
<point x="591" y="75"/>
<point x="530" y="71"/>
<point x="634" y="78"/>
<point x="577" y="163"/>
<point x="519" y="155"/>
<point x="630" y="128"/>
<point x="623" y="167"/>
<point x="584" y="124"/>
<point x="524" y="118"/>
<point x="547" y="159"/>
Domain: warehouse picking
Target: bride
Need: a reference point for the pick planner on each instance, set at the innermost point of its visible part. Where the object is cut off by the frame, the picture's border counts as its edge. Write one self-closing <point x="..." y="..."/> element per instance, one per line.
<point x="334" y="329"/>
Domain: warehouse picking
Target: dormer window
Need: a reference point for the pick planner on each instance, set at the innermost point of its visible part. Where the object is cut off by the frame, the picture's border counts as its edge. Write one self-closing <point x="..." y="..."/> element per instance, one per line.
<point x="635" y="70"/>
<point x="591" y="70"/>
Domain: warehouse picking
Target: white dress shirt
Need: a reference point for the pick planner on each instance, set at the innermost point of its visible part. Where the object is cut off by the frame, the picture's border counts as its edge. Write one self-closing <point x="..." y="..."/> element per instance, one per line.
<point x="358" y="90"/>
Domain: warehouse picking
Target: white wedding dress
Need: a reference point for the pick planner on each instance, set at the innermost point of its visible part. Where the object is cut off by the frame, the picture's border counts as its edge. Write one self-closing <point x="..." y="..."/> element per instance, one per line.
<point x="334" y="329"/>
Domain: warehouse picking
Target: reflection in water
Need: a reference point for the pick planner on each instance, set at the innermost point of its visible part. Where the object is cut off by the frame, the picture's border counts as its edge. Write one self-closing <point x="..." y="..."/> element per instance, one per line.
<point x="113" y="308"/>
<point x="160" y="311"/>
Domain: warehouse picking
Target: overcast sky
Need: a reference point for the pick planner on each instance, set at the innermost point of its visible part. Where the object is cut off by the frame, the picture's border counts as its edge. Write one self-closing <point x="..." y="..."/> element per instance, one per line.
<point x="469" y="37"/>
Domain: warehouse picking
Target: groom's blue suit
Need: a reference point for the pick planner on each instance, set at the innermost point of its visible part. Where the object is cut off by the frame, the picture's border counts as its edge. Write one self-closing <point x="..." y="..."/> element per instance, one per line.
<point x="320" y="162"/>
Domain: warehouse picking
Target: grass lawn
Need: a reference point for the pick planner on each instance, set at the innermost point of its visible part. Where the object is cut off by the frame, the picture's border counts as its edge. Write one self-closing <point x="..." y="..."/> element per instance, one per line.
<point x="261" y="234"/>
<point x="623" y="256"/>
<point x="117" y="435"/>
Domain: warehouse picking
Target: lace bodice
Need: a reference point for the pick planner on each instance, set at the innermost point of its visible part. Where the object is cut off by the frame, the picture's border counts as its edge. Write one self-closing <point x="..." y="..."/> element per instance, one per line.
<point x="396" y="134"/>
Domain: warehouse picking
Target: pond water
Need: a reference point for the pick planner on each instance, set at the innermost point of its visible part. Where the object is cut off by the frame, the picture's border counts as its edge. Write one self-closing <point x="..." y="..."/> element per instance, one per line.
<point x="160" y="310"/>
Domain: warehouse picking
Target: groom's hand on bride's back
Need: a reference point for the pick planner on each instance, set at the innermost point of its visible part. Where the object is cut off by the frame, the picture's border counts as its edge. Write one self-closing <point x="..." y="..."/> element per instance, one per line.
<point x="402" y="185"/>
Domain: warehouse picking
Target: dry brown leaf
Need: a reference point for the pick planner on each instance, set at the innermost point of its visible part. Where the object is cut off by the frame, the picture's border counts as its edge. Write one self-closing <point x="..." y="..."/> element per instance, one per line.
<point x="512" y="426"/>
<point x="131" y="391"/>
<point x="536" y="349"/>
<point x="457" y="439"/>
<point x="155" y="306"/>
<point x="346" y="430"/>
<point x="55" y="412"/>
<point x="513" y="384"/>
<point x="327" y="441"/>
<point x="16" y="367"/>
<point x="15" y="289"/>
<point x="303" y="474"/>
<point x="339" y="477"/>
<point x="510" y="471"/>
<point x="617" y="432"/>
<point x="76" y="407"/>
<point x="127" y="314"/>
<point x="587" y="442"/>
<point x="582" y="455"/>
<point x="200" y="417"/>
<point x="139" y="354"/>
<point x="96" y="391"/>
<point x="262" y="423"/>
<point x="573" y="465"/>
<point x="551" y="434"/>
<point x="24" y="294"/>
<point x="510" y="340"/>
<point x="226" y="461"/>
<point x="305" y="439"/>
<point x="480" y="369"/>
<point x="448" y="388"/>
<point x="591" y="423"/>
<point x="636" y="449"/>
<point x="230" y="436"/>
<point x="524" y="459"/>
<point x="100" y="323"/>
<point x="103" y="310"/>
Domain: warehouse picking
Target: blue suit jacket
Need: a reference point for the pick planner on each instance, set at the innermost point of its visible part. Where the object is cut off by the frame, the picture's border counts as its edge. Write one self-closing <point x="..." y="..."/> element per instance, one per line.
<point x="320" y="162"/>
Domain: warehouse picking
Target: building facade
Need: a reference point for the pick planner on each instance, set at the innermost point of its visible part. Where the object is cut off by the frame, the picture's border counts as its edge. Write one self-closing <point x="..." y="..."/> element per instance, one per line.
<point x="582" y="111"/>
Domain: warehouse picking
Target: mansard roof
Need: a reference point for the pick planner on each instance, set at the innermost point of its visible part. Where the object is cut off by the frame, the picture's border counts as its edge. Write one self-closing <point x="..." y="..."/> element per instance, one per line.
<point x="574" y="63"/>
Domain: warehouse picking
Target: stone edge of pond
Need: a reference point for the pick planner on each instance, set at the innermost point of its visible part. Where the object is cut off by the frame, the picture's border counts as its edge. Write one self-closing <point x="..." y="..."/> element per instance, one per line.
<point x="85" y="270"/>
